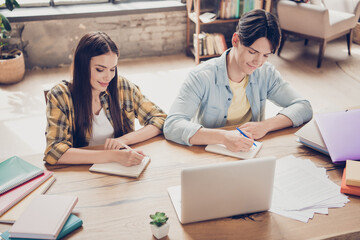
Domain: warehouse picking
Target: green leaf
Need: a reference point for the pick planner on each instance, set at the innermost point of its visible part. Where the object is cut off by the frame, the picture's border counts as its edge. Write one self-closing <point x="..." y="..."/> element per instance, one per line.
<point x="5" y="22"/>
<point x="16" y="4"/>
<point x="11" y="4"/>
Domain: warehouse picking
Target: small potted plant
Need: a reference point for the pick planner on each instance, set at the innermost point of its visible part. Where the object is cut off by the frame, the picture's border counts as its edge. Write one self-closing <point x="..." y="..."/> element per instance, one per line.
<point x="159" y="225"/>
<point x="12" y="64"/>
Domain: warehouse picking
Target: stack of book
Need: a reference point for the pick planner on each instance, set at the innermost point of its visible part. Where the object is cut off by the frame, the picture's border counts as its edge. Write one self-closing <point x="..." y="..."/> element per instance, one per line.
<point x="335" y="134"/>
<point x="35" y="216"/>
<point x="350" y="183"/>
<point x="20" y="182"/>
<point x="235" y="8"/>
<point x="46" y="217"/>
<point x="210" y="44"/>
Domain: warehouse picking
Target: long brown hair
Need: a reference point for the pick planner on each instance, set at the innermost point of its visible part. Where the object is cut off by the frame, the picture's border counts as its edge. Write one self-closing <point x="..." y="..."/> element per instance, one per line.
<point x="91" y="45"/>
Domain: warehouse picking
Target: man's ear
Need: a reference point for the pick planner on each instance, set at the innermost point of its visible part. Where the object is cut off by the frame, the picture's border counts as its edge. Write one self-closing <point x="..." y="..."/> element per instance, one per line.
<point x="235" y="40"/>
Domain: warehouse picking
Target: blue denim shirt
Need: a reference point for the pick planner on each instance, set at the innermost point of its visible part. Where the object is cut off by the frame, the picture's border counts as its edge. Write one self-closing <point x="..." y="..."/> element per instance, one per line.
<point x="205" y="97"/>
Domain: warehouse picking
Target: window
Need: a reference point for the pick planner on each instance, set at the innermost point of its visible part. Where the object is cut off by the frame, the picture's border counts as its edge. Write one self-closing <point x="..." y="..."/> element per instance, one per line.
<point x="46" y="3"/>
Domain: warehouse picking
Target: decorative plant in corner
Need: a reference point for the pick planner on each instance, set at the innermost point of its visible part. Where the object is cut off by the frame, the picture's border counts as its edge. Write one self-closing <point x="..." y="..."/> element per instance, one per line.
<point x="12" y="66"/>
<point x="159" y="225"/>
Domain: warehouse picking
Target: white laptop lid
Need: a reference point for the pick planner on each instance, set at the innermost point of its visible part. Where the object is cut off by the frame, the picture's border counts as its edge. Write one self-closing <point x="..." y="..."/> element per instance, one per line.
<point x="224" y="189"/>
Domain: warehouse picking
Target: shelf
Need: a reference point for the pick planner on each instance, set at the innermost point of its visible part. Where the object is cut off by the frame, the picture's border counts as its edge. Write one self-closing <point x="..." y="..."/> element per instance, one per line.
<point x="217" y="21"/>
<point x="192" y="51"/>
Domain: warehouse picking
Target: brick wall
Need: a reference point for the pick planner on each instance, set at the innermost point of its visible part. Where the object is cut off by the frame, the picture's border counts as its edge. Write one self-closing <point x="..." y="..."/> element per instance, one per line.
<point x="51" y="43"/>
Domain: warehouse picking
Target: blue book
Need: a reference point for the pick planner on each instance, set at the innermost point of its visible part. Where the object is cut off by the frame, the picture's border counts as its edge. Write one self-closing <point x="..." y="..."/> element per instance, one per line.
<point x="71" y="224"/>
<point x="15" y="171"/>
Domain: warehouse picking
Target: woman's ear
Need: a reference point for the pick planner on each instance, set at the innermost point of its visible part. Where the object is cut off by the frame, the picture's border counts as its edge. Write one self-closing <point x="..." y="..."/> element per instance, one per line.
<point x="235" y="40"/>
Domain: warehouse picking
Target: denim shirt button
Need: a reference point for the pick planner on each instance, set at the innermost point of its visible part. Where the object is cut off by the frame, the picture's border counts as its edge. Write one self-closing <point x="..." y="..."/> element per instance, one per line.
<point x="229" y="99"/>
<point x="225" y="116"/>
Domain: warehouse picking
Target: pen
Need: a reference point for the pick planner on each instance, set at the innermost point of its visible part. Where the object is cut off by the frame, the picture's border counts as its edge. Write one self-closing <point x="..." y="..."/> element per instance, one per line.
<point x="244" y="135"/>
<point x="126" y="146"/>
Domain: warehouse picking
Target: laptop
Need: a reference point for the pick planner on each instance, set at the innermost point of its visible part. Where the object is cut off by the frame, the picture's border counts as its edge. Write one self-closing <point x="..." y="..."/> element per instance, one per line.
<point x="224" y="189"/>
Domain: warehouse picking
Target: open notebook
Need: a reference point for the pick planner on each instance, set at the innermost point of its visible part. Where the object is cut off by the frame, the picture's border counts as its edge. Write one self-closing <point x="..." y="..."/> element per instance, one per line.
<point x="310" y="136"/>
<point x="221" y="149"/>
<point x="118" y="169"/>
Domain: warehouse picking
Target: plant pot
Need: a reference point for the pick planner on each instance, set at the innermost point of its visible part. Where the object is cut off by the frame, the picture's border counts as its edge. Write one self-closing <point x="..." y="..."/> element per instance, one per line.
<point x="12" y="70"/>
<point x="160" y="232"/>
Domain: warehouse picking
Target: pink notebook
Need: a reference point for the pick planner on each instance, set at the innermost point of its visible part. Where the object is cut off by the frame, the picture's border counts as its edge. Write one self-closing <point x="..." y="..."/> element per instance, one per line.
<point x="341" y="134"/>
<point x="10" y="198"/>
<point x="44" y="217"/>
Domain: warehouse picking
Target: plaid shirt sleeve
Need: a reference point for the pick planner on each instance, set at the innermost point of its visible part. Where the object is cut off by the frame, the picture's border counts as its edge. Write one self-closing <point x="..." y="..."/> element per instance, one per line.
<point x="59" y="123"/>
<point x="136" y="105"/>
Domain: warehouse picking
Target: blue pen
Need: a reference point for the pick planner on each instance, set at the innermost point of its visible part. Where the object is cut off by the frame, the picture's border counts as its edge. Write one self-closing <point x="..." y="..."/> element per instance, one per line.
<point x="244" y="134"/>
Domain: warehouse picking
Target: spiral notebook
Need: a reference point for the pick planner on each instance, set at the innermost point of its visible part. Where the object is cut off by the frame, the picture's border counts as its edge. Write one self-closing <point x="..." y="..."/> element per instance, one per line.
<point x="15" y="171"/>
<point x="13" y="196"/>
<point x="221" y="149"/>
<point x="118" y="169"/>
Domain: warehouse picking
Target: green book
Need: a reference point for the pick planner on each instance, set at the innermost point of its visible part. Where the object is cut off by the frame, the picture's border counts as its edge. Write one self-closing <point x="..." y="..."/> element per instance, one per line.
<point x="71" y="224"/>
<point x="15" y="171"/>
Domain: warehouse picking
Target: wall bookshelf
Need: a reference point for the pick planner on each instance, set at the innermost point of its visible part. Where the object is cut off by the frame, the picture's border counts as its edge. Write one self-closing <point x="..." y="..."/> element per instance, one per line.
<point x="193" y="17"/>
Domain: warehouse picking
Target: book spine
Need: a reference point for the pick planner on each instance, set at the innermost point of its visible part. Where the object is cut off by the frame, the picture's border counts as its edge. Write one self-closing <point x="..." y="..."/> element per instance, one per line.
<point x="70" y="228"/>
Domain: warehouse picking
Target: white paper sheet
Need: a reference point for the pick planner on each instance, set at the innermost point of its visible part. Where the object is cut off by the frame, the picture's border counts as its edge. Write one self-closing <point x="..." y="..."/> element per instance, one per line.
<point x="301" y="189"/>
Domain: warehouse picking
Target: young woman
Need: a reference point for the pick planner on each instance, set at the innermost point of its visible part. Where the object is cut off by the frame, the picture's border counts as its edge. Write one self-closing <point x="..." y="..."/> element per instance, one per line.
<point x="232" y="90"/>
<point x="98" y="107"/>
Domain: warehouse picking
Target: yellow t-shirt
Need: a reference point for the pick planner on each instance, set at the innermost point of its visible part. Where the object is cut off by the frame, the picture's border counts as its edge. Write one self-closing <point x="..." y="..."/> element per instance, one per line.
<point x="239" y="111"/>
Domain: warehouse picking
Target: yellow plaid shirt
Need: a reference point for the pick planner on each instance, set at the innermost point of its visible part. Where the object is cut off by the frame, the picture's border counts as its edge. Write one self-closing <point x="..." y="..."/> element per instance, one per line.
<point x="61" y="122"/>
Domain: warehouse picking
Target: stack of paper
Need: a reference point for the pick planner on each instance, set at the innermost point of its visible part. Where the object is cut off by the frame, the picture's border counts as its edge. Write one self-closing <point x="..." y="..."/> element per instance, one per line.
<point x="301" y="189"/>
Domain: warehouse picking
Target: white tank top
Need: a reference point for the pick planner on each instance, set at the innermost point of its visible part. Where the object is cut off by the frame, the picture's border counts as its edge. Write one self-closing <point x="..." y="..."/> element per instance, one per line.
<point x="101" y="129"/>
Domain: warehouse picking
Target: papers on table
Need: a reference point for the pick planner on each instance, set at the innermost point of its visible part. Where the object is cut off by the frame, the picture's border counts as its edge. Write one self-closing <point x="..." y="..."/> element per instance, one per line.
<point x="301" y="189"/>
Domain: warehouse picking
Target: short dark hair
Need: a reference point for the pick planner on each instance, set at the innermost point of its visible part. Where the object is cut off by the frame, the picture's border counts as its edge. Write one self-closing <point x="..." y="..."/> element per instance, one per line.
<point x="91" y="45"/>
<point x="257" y="24"/>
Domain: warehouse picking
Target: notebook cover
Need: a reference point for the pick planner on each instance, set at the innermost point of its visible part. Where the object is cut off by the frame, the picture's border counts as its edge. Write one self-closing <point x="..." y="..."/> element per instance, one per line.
<point x="14" y="213"/>
<point x="15" y="171"/>
<point x="44" y="217"/>
<point x="352" y="176"/>
<point x="348" y="189"/>
<point x="221" y="149"/>
<point x="71" y="225"/>
<point x="340" y="131"/>
<point x="118" y="169"/>
<point x="310" y="136"/>
<point x="10" y="198"/>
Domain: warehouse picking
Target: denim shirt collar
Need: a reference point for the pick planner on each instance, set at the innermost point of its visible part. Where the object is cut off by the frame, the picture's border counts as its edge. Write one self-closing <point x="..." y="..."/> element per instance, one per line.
<point x="221" y="63"/>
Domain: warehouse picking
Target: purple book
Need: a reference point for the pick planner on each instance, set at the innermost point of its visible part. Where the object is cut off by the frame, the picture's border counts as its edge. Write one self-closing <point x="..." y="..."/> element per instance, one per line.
<point x="341" y="134"/>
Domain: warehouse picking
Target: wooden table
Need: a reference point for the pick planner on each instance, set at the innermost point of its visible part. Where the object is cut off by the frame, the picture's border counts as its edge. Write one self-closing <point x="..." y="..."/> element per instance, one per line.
<point x="114" y="207"/>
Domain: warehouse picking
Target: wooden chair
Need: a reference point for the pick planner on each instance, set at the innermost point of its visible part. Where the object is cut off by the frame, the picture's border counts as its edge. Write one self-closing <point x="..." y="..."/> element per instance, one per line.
<point x="45" y="95"/>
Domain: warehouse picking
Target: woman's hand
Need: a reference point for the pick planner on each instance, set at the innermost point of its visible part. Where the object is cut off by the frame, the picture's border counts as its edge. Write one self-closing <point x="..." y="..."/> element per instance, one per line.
<point x="129" y="157"/>
<point x="113" y="144"/>
<point x="236" y="142"/>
